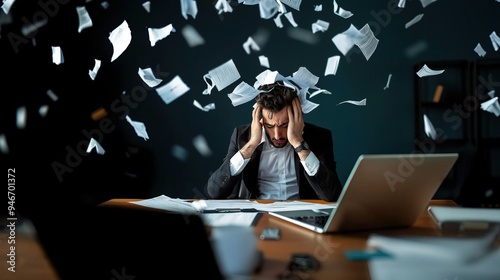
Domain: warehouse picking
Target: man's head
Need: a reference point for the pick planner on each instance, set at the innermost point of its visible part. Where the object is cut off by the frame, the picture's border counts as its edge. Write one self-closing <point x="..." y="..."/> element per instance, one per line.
<point x="274" y="100"/>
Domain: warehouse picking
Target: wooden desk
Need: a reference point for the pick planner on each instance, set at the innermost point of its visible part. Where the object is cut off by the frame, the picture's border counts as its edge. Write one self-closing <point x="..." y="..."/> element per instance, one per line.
<point x="327" y="248"/>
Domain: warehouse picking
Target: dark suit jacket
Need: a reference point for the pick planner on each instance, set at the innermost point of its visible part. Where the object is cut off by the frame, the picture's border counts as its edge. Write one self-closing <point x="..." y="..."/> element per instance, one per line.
<point x="324" y="185"/>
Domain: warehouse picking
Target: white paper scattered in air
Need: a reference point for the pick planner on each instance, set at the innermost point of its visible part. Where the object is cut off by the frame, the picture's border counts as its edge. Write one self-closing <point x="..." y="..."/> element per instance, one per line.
<point x="189" y="8"/>
<point x="479" y="50"/>
<point x="21" y="117"/>
<point x="120" y="38"/>
<point x="157" y="34"/>
<point x="341" y="12"/>
<point x="414" y="20"/>
<point x="148" y="77"/>
<point x="332" y="65"/>
<point x="264" y="61"/>
<point x="172" y="90"/>
<point x="97" y="66"/>
<point x="201" y="145"/>
<point x="94" y="144"/>
<point x="495" y="40"/>
<point x="429" y="129"/>
<point x="221" y="76"/>
<point x="84" y="20"/>
<point x="192" y="37"/>
<point x="320" y="26"/>
<point x="57" y="55"/>
<point x="250" y="45"/>
<point x="139" y="127"/>
<point x="354" y="102"/>
<point x="388" y="82"/>
<point x="426" y="71"/>
<point x="492" y="106"/>
<point x="206" y="108"/>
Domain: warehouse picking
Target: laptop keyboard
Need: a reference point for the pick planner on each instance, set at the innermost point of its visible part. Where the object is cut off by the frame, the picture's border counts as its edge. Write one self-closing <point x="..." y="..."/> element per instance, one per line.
<point x="316" y="220"/>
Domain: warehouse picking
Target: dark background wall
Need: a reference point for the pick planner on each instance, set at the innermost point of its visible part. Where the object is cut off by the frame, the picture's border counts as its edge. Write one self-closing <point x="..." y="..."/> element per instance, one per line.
<point x="48" y="153"/>
<point x="54" y="176"/>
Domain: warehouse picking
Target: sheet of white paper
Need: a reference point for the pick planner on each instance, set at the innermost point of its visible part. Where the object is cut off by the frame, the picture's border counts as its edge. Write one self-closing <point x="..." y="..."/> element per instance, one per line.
<point x="157" y="34"/>
<point x="495" y="40"/>
<point x="221" y="76"/>
<point x="264" y="61"/>
<point x="29" y="30"/>
<point x="414" y="20"/>
<point x="228" y="219"/>
<point x="278" y="22"/>
<point x="43" y="110"/>
<point x="295" y="4"/>
<point x="52" y="95"/>
<point x="289" y="17"/>
<point x="166" y="203"/>
<point x="426" y="71"/>
<point x="393" y="269"/>
<point x="97" y="66"/>
<point x="139" y="127"/>
<point x="367" y="43"/>
<point x="314" y="93"/>
<point x="491" y="106"/>
<point x="213" y="204"/>
<point x="201" y="145"/>
<point x="172" y="90"/>
<point x="320" y="26"/>
<point x="346" y="40"/>
<point x="451" y="250"/>
<point x="243" y="93"/>
<point x="341" y="12"/>
<point x="4" y="147"/>
<point x="206" y="108"/>
<point x="7" y="4"/>
<point x="148" y="77"/>
<point x="479" y="50"/>
<point x="57" y="55"/>
<point x="318" y="8"/>
<point x="223" y="6"/>
<point x="401" y="3"/>
<point x="388" y="82"/>
<point x="21" y="117"/>
<point x="426" y="3"/>
<point x="147" y="6"/>
<point x="358" y="103"/>
<point x="179" y="152"/>
<point x="120" y="38"/>
<point x="267" y="9"/>
<point x="250" y="45"/>
<point x="189" y="8"/>
<point x="332" y="65"/>
<point x="429" y="129"/>
<point x="94" y="144"/>
<point x="192" y="37"/>
<point x="84" y="20"/>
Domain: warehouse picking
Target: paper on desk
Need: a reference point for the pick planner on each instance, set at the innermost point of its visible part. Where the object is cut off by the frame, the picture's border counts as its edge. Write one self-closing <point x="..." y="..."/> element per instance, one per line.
<point x="423" y="249"/>
<point x="213" y="204"/>
<point x="166" y="203"/>
<point x="229" y="219"/>
<point x="436" y="258"/>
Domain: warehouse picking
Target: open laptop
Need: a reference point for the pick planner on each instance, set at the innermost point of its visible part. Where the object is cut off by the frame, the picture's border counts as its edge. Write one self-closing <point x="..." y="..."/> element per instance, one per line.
<point x="382" y="191"/>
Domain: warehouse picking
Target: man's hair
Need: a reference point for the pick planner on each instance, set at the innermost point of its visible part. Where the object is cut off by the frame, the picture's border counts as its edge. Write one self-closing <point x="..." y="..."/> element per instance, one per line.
<point x="274" y="97"/>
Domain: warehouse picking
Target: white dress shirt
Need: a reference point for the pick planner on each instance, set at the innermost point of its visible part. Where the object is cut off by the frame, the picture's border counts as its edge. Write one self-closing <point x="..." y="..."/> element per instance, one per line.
<point x="276" y="176"/>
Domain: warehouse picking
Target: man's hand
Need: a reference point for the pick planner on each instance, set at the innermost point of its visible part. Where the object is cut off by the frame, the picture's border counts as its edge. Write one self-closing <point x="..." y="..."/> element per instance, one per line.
<point x="295" y="123"/>
<point x="255" y="133"/>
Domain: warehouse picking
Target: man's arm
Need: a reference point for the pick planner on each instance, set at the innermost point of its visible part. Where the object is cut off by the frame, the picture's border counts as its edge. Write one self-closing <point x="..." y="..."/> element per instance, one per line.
<point x="325" y="182"/>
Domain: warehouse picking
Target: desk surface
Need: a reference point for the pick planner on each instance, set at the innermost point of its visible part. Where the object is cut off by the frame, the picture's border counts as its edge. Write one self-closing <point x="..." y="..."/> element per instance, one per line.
<point x="327" y="248"/>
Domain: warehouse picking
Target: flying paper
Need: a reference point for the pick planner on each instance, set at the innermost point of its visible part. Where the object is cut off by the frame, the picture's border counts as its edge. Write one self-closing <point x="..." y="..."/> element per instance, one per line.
<point x="172" y="90"/>
<point x="94" y="144"/>
<point x="221" y="76"/>
<point x="84" y="20"/>
<point x="426" y="71"/>
<point x="120" y="38"/>
<point x="139" y="127"/>
<point x="157" y="34"/>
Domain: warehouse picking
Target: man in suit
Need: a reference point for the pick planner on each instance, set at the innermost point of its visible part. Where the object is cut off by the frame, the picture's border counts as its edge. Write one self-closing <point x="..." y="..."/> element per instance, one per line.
<point x="278" y="155"/>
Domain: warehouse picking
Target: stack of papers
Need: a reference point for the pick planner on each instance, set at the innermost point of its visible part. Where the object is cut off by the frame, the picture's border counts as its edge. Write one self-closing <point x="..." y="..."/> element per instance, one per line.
<point x="225" y="212"/>
<point x="464" y="218"/>
<point x="423" y="257"/>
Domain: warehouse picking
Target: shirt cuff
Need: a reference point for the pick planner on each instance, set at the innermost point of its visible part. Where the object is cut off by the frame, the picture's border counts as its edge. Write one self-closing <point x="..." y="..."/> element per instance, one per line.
<point x="237" y="163"/>
<point x="311" y="164"/>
